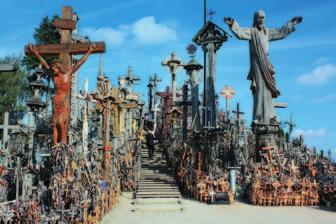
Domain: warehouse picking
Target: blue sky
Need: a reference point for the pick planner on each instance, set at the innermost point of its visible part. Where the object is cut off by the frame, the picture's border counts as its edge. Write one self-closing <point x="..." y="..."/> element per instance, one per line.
<point x="142" y="33"/>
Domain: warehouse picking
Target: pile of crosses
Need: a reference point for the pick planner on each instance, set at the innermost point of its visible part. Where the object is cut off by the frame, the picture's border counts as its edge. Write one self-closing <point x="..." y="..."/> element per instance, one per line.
<point x="79" y="179"/>
<point x="277" y="180"/>
<point x="197" y="175"/>
<point x="79" y="191"/>
<point x="270" y="188"/>
<point x="328" y="194"/>
<point x="326" y="175"/>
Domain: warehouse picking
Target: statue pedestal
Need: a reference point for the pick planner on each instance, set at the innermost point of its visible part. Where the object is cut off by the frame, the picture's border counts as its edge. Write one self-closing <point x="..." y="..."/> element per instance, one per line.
<point x="266" y="141"/>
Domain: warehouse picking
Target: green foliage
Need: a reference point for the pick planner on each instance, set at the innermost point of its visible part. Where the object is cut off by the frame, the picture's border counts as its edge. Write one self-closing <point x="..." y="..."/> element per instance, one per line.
<point x="46" y="33"/>
<point x="281" y="132"/>
<point x="287" y="136"/>
<point x="13" y="87"/>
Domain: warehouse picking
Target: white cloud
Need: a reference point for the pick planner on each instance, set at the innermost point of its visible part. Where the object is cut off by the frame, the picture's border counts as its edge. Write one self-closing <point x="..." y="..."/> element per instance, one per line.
<point x="322" y="60"/>
<point x="147" y="31"/>
<point x="331" y="96"/>
<point x="310" y="133"/>
<point x="298" y="97"/>
<point x="318" y="76"/>
<point x="112" y="37"/>
<point x="143" y="31"/>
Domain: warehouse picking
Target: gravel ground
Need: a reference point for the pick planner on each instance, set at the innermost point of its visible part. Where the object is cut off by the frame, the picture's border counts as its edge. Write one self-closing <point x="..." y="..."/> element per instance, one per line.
<point x="195" y="212"/>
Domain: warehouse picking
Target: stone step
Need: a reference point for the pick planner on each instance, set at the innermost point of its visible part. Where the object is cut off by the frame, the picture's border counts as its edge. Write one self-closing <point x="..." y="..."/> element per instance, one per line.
<point x="159" y="207"/>
<point x="146" y="173"/>
<point x="156" y="182"/>
<point x="163" y="175"/>
<point x="148" y="188"/>
<point x="156" y="185"/>
<point x="158" y="196"/>
<point x="157" y="190"/>
<point x="159" y="193"/>
<point x="159" y="176"/>
<point x="157" y="201"/>
<point x="168" y="182"/>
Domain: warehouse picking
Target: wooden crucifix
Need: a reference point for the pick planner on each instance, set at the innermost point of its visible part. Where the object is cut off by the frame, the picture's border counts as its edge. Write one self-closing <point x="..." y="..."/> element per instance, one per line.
<point x="62" y="69"/>
<point x="184" y="103"/>
<point x="104" y="100"/>
<point x="166" y="97"/>
<point x="238" y="113"/>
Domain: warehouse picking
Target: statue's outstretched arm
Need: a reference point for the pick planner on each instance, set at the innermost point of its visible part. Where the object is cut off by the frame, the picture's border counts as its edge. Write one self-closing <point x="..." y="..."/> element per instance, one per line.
<point x="278" y="34"/>
<point x="82" y="60"/>
<point x="239" y="32"/>
<point x="33" y="50"/>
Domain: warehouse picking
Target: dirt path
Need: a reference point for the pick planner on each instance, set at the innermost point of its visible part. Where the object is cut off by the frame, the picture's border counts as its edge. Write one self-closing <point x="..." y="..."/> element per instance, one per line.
<point x="200" y="213"/>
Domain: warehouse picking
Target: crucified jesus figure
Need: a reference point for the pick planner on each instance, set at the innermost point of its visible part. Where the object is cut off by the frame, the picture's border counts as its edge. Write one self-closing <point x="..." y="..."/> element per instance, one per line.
<point x="62" y="85"/>
<point x="261" y="73"/>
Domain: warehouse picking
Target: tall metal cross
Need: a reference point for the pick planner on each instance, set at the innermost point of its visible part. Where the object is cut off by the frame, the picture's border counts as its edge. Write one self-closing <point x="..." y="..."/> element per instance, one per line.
<point x="211" y="13"/>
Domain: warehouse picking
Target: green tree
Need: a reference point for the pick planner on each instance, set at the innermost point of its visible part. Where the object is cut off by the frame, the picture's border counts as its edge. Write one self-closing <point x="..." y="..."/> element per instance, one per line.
<point x="46" y="33"/>
<point x="13" y="86"/>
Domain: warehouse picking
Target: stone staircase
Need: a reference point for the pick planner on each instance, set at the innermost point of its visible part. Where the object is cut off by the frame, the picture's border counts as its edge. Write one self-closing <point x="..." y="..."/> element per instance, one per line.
<point x="157" y="189"/>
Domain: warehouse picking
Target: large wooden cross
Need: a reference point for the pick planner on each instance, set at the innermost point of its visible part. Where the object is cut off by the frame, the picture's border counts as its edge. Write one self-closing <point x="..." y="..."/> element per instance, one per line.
<point x="66" y="48"/>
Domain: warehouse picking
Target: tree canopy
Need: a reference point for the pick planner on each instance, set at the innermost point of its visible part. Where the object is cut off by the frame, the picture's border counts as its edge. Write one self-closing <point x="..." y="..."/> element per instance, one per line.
<point x="45" y="33"/>
<point x="13" y="86"/>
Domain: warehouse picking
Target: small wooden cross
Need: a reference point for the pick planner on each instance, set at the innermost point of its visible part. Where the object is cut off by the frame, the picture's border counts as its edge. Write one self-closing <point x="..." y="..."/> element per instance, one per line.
<point x="130" y="77"/>
<point x="238" y="113"/>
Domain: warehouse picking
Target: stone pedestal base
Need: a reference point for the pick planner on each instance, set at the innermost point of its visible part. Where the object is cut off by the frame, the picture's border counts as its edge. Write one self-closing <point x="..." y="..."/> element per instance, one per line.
<point x="266" y="141"/>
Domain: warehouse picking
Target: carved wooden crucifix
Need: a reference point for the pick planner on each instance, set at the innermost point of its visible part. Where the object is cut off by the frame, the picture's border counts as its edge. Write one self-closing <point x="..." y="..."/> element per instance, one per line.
<point x="63" y="68"/>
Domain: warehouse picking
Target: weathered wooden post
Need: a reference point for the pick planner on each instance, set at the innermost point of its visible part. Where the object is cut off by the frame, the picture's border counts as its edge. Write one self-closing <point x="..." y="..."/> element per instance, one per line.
<point x="211" y="38"/>
<point x="193" y="68"/>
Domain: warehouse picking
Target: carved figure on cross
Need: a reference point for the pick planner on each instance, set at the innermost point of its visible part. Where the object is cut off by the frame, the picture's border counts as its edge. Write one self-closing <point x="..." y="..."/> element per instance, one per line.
<point x="62" y="68"/>
<point x="61" y="99"/>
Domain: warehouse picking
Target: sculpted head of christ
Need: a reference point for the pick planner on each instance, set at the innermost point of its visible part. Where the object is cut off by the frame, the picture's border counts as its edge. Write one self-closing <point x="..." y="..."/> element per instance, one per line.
<point x="259" y="19"/>
<point x="56" y="66"/>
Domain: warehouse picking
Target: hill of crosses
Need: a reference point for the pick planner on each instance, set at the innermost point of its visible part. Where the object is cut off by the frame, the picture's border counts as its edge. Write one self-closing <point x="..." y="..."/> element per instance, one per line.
<point x="73" y="154"/>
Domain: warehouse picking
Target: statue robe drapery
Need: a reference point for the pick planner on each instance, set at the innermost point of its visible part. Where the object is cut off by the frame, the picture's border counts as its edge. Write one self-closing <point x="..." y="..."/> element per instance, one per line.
<point x="261" y="72"/>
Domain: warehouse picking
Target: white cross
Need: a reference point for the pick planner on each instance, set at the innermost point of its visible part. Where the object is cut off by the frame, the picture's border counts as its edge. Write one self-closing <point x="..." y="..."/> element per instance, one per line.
<point x="5" y="126"/>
